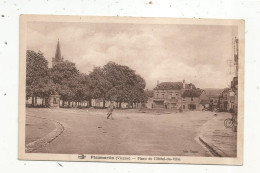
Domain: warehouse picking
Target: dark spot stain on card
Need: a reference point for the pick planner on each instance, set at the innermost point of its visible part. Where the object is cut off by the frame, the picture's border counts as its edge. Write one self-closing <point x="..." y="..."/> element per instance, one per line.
<point x="2" y="15"/>
<point x="6" y="43"/>
<point x="60" y="164"/>
<point x="150" y="2"/>
<point x="4" y="94"/>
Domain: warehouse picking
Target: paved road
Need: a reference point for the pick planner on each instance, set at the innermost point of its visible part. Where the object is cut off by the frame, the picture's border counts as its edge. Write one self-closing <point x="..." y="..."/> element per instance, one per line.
<point x="130" y="133"/>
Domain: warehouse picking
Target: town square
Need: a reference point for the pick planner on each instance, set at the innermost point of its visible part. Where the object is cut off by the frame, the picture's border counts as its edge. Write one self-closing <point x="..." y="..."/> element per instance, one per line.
<point x="117" y="97"/>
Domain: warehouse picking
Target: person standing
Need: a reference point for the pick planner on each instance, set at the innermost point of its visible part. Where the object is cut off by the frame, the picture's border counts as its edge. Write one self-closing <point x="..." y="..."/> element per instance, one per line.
<point x="110" y="110"/>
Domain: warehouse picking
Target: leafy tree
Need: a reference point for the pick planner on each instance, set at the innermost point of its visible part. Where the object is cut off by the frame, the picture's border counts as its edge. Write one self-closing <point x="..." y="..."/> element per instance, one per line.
<point x="99" y="84"/>
<point x="64" y="75"/>
<point x="37" y="75"/>
<point x="82" y="90"/>
<point x="119" y="83"/>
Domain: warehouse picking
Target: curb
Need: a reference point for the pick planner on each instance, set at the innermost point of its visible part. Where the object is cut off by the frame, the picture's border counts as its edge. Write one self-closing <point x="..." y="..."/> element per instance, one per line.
<point x="211" y="148"/>
<point x="39" y="143"/>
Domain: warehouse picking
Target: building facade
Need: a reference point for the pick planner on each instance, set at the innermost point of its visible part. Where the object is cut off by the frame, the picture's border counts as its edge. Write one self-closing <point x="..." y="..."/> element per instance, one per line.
<point x="227" y="101"/>
<point x="168" y="95"/>
<point x="192" y="98"/>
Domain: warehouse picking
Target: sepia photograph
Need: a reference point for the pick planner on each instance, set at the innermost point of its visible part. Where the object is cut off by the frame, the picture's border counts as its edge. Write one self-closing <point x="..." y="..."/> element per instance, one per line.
<point x="125" y="89"/>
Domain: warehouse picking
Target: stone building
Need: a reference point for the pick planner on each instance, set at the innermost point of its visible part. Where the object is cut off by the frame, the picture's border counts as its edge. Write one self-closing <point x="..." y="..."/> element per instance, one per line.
<point x="192" y="99"/>
<point x="213" y="97"/>
<point x="54" y="101"/>
<point x="227" y="101"/>
<point x="168" y="95"/>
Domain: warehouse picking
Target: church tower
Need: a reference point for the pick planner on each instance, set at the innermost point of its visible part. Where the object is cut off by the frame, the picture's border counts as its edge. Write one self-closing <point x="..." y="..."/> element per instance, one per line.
<point x="58" y="58"/>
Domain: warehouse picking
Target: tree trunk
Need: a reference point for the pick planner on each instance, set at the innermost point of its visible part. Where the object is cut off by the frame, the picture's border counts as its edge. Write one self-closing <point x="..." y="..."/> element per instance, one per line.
<point x="46" y="101"/>
<point x="63" y="103"/>
<point x="42" y="100"/>
<point x="104" y="102"/>
<point x="32" y="101"/>
<point x="120" y="105"/>
<point x="36" y="100"/>
<point x="90" y="103"/>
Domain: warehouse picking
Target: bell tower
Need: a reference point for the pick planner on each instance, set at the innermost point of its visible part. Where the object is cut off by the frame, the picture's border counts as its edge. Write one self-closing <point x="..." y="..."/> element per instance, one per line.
<point x="58" y="58"/>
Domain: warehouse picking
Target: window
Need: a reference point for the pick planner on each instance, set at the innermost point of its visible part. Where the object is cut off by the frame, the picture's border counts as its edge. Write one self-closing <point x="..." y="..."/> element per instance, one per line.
<point x="183" y="99"/>
<point x="183" y="106"/>
<point x="191" y="98"/>
<point x="162" y="95"/>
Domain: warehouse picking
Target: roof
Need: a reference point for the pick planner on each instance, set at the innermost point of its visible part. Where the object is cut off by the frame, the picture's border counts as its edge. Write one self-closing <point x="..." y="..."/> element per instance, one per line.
<point x="211" y="92"/>
<point x="226" y="90"/>
<point x="203" y="102"/>
<point x="192" y="93"/>
<point x="173" y="86"/>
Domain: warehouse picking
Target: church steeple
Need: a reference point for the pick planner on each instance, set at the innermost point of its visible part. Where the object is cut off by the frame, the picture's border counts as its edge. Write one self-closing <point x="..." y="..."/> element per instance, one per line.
<point x="58" y="58"/>
<point x="58" y="53"/>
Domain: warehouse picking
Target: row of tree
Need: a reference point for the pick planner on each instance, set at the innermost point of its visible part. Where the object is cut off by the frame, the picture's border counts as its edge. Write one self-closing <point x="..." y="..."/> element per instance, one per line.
<point x="110" y="82"/>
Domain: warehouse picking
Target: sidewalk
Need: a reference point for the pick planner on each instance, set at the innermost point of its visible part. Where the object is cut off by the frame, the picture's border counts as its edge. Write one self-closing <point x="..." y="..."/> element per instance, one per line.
<point x="221" y="141"/>
<point x="37" y="127"/>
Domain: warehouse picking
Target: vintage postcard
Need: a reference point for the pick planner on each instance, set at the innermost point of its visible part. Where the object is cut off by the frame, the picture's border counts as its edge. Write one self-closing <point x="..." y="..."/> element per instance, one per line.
<point x="125" y="89"/>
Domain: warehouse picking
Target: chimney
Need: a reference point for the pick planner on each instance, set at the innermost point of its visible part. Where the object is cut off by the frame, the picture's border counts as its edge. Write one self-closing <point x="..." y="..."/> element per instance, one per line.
<point x="183" y="84"/>
<point x="158" y="82"/>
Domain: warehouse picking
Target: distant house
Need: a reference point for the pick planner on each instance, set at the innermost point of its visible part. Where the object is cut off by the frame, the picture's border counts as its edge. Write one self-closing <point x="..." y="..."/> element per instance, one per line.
<point x="194" y="99"/>
<point x="213" y="96"/>
<point x="149" y="104"/>
<point x="168" y="95"/>
<point x="227" y="101"/>
<point x="205" y="102"/>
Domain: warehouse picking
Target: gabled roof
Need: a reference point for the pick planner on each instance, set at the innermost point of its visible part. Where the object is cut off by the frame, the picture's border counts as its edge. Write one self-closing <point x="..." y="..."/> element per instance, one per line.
<point x="173" y="86"/>
<point x="203" y="102"/>
<point x="192" y="93"/>
<point x="211" y="92"/>
<point x="169" y="86"/>
<point x="226" y="90"/>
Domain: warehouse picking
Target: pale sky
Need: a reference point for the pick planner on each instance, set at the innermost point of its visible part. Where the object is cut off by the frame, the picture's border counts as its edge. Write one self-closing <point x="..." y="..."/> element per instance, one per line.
<point x="168" y="53"/>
